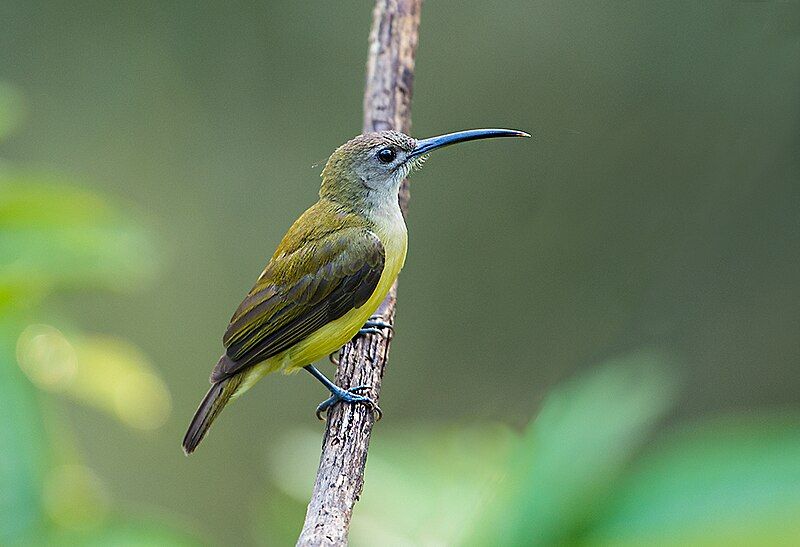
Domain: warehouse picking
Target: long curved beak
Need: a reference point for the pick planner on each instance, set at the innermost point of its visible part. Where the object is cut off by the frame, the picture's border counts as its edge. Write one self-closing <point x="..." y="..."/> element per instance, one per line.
<point x="427" y="145"/>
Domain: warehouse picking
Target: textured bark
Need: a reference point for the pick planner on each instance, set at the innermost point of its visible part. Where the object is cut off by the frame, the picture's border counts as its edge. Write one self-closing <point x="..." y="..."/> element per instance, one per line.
<point x="387" y="105"/>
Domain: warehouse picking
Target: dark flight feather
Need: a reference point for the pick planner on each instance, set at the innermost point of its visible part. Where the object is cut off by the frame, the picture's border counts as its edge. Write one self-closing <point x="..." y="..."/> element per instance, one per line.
<point x="210" y="407"/>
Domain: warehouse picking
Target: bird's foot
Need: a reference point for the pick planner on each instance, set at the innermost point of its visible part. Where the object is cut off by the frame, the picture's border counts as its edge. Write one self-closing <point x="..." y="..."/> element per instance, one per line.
<point x="376" y="325"/>
<point x="349" y="396"/>
<point x="334" y="357"/>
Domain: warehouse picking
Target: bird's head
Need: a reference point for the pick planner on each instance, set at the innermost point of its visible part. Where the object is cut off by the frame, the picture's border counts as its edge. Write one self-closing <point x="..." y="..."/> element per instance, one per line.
<point x="368" y="169"/>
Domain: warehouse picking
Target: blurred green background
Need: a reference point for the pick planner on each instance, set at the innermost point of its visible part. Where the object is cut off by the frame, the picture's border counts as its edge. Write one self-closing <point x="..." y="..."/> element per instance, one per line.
<point x="598" y="332"/>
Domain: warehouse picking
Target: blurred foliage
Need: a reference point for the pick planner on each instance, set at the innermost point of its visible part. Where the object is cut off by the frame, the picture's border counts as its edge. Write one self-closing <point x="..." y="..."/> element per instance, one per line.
<point x="574" y="451"/>
<point x="725" y="481"/>
<point x="56" y="236"/>
<point x="588" y="470"/>
<point x="656" y="207"/>
<point x="22" y="447"/>
<point x="53" y="235"/>
<point x="423" y="482"/>
<point x="102" y="371"/>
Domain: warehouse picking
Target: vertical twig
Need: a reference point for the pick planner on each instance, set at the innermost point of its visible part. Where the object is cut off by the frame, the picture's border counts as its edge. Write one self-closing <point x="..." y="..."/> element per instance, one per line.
<point x="387" y="105"/>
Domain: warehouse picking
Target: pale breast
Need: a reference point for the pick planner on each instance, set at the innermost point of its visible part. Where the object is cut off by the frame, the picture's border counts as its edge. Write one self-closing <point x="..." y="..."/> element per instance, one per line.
<point x="391" y="230"/>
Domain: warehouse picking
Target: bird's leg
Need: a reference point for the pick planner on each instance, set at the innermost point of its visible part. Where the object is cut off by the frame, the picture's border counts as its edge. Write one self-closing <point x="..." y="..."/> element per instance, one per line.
<point x="338" y="394"/>
<point x="375" y="325"/>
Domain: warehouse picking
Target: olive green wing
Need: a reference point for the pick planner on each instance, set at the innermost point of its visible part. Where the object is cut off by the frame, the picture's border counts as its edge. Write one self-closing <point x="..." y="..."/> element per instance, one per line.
<point x="298" y="293"/>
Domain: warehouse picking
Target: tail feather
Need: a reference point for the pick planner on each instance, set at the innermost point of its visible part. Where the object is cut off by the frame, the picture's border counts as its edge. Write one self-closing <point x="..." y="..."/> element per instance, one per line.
<point x="212" y="404"/>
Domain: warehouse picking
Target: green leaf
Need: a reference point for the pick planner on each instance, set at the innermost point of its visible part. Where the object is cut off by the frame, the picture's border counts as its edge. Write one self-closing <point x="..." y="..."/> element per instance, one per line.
<point x="22" y="448"/>
<point x="53" y="236"/>
<point x="725" y="482"/>
<point x="585" y="434"/>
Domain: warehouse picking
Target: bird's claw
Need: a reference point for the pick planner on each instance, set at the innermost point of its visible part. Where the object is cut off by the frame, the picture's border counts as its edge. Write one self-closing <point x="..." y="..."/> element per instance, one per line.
<point x="349" y="396"/>
<point x="376" y="325"/>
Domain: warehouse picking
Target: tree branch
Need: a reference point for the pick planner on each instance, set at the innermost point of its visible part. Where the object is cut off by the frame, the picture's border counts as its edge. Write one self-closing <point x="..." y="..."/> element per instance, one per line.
<point x="387" y="105"/>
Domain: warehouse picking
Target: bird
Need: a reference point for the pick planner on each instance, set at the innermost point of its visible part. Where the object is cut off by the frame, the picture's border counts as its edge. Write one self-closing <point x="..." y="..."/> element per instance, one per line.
<point x="328" y="275"/>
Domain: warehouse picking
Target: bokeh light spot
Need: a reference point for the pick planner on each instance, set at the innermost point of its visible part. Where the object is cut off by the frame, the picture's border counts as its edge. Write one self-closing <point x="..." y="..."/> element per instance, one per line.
<point x="105" y="372"/>
<point x="46" y="356"/>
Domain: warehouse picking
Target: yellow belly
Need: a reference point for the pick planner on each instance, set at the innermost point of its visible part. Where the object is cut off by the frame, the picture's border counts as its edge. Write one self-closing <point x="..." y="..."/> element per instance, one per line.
<point x="337" y="333"/>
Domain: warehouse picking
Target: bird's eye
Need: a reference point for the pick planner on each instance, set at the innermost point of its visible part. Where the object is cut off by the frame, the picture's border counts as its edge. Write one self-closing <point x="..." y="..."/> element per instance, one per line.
<point x="386" y="155"/>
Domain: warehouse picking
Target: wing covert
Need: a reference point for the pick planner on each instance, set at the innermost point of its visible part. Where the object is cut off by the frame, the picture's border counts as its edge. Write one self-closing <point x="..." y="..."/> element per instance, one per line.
<point x="298" y="293"/>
